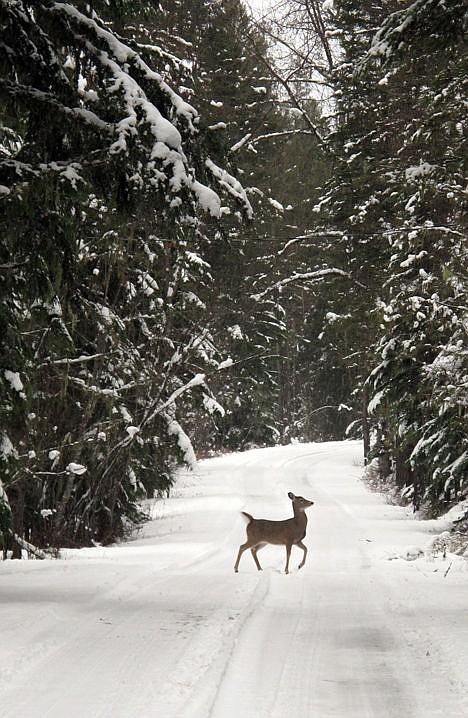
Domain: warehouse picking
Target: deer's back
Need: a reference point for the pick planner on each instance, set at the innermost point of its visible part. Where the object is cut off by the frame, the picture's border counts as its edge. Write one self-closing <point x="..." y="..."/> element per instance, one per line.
<point x="278" y="532"/>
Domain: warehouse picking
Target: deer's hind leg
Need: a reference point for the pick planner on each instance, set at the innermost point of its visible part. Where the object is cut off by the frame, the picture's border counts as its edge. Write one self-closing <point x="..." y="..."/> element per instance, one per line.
<point x="254" y="550"/>
<point x="243" y="547"/>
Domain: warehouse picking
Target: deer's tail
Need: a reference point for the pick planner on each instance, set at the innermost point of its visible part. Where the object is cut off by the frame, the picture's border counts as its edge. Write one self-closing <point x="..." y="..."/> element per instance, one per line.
<point x="247" y="517"/>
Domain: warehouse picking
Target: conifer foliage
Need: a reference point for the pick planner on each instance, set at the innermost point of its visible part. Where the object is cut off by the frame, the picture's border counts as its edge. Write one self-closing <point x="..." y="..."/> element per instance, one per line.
<point x="107" y="192"/>
<point x="420" y="385"/>
<point x="385" y="347"/>
<point x="398" y="202"/>
<point x="147" y="296"/>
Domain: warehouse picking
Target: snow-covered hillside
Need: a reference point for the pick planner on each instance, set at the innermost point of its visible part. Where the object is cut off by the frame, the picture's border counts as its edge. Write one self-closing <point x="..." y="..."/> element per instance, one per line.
<point x="162" y="626"/>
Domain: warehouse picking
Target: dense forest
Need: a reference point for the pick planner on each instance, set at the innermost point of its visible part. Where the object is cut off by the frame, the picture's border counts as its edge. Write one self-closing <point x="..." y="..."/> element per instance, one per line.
<point x="220" y="231"/>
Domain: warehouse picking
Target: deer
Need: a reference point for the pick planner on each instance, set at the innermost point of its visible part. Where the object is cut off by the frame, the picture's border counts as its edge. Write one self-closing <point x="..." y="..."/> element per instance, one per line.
<point x="289" y="532"/>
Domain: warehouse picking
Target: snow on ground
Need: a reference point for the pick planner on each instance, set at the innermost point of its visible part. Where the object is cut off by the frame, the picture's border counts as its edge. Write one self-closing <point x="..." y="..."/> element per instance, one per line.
<point x="162" y="626"/>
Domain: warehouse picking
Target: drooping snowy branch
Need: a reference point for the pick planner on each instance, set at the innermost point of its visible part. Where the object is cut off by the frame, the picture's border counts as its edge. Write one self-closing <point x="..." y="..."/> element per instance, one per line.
<point x="129" y="113"/>
<point x="30" y="548"/>
<point x="167" y="150"/>
<point x="124" y="54"/>
<point x="231" y="185"/>
<point x="197" y="380"/>
<point x="183" y="441"/>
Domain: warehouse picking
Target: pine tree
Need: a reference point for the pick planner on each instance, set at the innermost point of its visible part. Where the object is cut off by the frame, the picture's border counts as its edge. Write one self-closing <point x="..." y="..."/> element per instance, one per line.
<point x="233" y="84"/>
<point x="105" y="177"/>
<point x="421" y="381"/>
<point x="396" y="203"/>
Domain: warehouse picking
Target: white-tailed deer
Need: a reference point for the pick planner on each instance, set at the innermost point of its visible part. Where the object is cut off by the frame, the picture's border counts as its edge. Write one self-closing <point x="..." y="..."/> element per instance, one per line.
<point x="261" y="532"/>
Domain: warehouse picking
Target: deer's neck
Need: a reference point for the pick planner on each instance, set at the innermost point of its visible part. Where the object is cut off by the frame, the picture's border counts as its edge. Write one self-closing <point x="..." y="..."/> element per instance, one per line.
<point x="300" y="517"/>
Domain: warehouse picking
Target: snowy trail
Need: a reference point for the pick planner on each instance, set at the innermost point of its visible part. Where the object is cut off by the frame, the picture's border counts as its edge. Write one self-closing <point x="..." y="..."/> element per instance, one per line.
<point x="161" y="625"/>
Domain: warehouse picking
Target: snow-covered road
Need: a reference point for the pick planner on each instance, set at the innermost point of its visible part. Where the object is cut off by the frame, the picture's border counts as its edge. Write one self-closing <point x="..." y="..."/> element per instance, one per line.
<point x="161" y="626"/>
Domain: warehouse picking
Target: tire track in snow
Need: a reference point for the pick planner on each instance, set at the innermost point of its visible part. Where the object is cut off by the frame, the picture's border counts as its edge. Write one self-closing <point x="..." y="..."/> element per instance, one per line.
<point x="203" y="703"/>
<point x="272" y="632"/>
<point x="194" y="682"/>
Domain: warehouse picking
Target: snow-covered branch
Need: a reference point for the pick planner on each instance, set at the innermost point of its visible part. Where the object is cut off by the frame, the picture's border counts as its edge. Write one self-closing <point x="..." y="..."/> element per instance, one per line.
<point x="30" y="548"/>
<point x="68" y="361"/>
<point x="124" y="54"/>
<point x="248" y="139"/>
<point x="145" y="131"/>
<point x="231" y="185"/>
<point x="197" y="380"/>
<point x="315" y="276"/>
<point x="183" y="441"/>
<point x="32" y="94"/>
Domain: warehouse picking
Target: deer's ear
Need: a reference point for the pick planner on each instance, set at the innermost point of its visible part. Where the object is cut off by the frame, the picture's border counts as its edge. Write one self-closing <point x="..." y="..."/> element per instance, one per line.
<point x="291" y="495"/>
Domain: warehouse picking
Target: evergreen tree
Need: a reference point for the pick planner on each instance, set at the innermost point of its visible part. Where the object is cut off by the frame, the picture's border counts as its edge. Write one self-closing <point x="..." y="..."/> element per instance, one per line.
<point x="231" y="83"/>
<point x="106" y="181"/>
<point x="396" y="203"/>
<point x="420" y="383"/>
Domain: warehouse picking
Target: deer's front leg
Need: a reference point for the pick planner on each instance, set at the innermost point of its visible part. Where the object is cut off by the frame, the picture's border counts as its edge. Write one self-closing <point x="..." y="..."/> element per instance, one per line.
<point x="304" y="548"/>
<point x="288" y="554"/>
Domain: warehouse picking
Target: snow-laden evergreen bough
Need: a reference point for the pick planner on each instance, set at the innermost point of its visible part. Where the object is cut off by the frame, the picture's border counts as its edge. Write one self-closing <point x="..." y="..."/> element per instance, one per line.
<point x="107" y="194"/>
<point x="399" y="197"/>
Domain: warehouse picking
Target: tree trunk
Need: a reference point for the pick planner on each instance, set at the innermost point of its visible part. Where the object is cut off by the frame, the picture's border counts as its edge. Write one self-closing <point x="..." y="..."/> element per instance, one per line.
<point x="16" y="499"/>
<point x="383" y="453"/>
<point x="365" y="423"/>
<point x="403" y="473"/>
